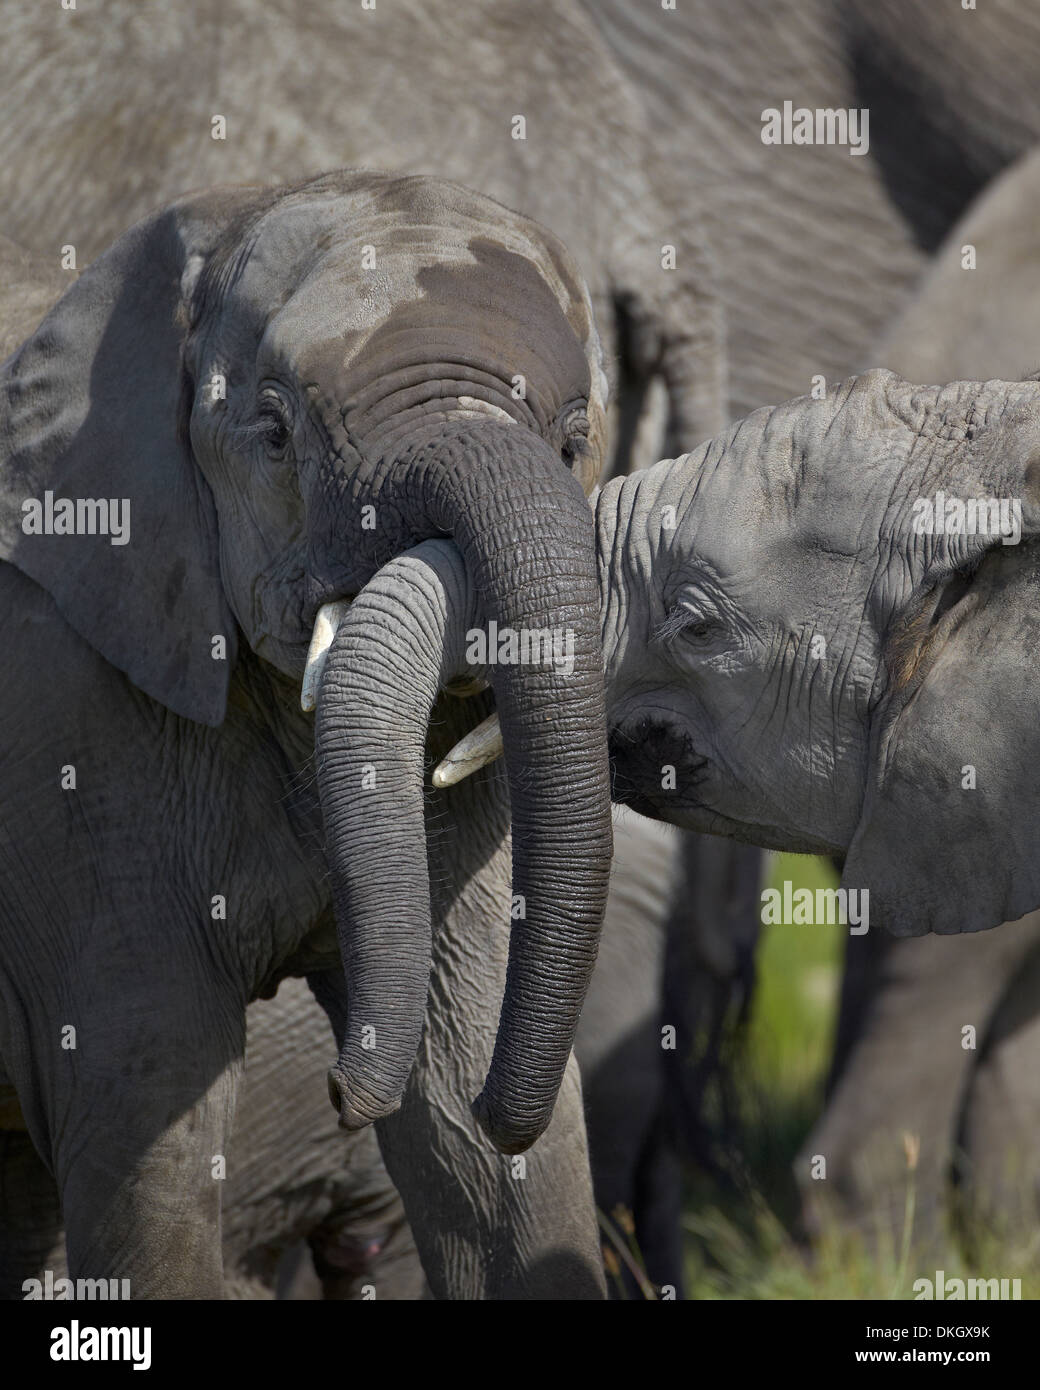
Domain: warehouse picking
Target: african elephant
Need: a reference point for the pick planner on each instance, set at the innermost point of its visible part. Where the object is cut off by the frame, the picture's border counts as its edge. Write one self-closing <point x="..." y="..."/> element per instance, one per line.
<point x="817" y="248"/>
<point x="903" y="1063"/>
<point x="519" y="99"/>
<point x="292" y="1179"/>
<point x="270" y="423"/>
<point x="807" y="648"/>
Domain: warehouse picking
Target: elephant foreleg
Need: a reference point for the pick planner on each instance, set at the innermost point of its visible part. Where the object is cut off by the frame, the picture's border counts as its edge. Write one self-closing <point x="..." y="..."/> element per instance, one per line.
<point x="30" y="1215"/>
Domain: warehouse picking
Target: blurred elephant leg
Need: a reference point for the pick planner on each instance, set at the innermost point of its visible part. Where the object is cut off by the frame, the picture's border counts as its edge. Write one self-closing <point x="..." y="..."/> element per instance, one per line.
<point x="30" y="1211"/>
<point x="905" y="1076"/>
<point x="658" y="1209"/>
<point x="624" y="1099"/>
<point x="675" y="967"/>
<point x="864" y="961"/>
<point x="620" y="1052"/>
<point x="998" y="1159"/>
<point x="365" y="1248"/>
<point x="712" y="932"/>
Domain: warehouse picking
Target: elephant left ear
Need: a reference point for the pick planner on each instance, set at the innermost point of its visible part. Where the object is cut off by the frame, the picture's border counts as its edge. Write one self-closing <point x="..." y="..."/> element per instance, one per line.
<point x="949" y="835"/>
<point x="101" y="502"/>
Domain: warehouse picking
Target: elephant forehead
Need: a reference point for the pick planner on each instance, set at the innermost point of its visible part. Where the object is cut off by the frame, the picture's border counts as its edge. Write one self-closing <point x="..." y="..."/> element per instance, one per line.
<point x="360" y="224"/>
<point x="477" y="304"/>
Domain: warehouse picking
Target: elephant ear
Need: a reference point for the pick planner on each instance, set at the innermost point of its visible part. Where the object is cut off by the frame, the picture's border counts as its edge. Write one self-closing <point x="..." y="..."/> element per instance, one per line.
<point x="95" y="406"/>
<point x="947" y="837"/>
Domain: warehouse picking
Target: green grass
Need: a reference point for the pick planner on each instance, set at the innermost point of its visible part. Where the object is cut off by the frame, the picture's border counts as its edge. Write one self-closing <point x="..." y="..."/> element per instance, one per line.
<point x="740" y="1240"/>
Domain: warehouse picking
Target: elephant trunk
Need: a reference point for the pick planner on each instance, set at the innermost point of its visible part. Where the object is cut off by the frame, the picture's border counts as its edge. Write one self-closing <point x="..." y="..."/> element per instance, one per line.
<point x="398" y="643"/>
<point x="524" y="529"/>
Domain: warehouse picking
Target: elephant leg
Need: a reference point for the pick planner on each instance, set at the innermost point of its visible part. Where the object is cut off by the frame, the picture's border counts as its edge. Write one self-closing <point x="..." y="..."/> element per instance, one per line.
<point x="30" y="1214"/>
<point x="658" y="1210"/>
<point x="144" y="1204"/>
<point x="128" y="1087"/>
<point x="906" y="1075"/>
<point x="365" y="1247"/>
<point x="996" y="1167"/>
<point x="490" y="1226"/>
<point x="486" y="1226"/>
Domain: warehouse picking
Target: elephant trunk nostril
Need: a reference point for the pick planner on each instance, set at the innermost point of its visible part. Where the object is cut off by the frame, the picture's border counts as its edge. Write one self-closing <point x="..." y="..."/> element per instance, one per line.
<point x="356" y="1106"/>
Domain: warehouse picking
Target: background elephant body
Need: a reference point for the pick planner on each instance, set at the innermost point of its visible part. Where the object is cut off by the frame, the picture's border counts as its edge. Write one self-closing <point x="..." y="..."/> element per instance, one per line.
<point x="817" y="249"/>
<point x="932" y="1063"/>
<point x="537" y="114"/>
<point x="976" y="311"/>
<point x="903" y="1064"/>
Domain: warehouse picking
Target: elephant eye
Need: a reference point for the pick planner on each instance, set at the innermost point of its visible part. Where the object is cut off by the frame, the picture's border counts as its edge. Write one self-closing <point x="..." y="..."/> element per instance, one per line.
<point x="273" y="426"/>
<point x="694" y="629"/>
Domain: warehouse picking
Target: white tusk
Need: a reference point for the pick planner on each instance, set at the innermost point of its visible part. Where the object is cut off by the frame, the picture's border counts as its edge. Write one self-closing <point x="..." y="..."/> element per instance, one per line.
<point x="481" y="746"/>
<point x="326" y="624"/>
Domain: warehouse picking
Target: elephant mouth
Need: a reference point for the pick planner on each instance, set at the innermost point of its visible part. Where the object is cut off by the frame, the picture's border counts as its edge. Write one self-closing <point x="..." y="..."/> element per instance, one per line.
<point x="655" y="769"/>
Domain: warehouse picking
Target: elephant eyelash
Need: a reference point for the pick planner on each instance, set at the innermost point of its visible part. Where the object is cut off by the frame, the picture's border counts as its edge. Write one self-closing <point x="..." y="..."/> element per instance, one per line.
<point x="683" y="621"/>
<point x="270" y="426"/>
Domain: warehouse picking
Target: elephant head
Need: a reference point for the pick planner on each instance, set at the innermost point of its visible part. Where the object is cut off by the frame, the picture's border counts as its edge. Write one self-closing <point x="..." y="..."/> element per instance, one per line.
<point x="810" y="646"/>
<point x="288" y="387"/>
<point x="826" y="662"/>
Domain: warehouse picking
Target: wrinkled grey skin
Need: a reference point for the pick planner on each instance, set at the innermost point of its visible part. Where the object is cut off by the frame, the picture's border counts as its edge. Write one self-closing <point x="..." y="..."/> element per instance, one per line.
<point x="294" y="1176"/>
<point x="309" y="1211"/>
<point x="816" y="249"/>
<point x="899" y="1066"/>
<point x="246" y="514"/>
<point x="295" y="1186"/>
<point x="797" y="525"/>
<point x="107" y="120"/>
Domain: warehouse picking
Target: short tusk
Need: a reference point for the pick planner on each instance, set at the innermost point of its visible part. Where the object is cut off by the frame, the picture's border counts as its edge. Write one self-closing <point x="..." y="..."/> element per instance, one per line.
<point x="326" y="624"/>
<point x="481" y="746"/>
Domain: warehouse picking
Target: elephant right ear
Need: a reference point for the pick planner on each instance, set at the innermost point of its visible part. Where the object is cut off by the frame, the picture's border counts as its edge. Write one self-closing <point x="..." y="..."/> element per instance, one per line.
<point x="947" y="838"/>
<point x="101" y="502"/>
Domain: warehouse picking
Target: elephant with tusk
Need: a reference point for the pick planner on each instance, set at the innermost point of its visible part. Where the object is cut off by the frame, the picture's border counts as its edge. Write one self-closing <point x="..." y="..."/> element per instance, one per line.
<point x="280" y="389"/>
<point x="817" y="637"/>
